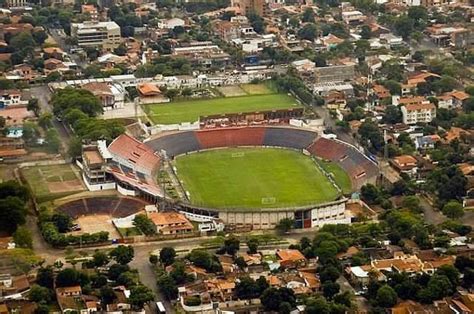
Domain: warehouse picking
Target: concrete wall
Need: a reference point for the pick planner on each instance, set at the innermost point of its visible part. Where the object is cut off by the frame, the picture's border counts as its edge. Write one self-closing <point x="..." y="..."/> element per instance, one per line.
<point x="258" y="220"/>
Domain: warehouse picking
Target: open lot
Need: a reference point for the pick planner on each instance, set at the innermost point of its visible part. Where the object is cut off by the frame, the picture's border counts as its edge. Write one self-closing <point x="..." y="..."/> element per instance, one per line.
<point x="54" y="181"/>
<point x="96" y="223"/>
<point x="253" y="178"/>
<point x="190" y="111"/>
<point x="231" y="91"/>
<point x="257" y="89"/>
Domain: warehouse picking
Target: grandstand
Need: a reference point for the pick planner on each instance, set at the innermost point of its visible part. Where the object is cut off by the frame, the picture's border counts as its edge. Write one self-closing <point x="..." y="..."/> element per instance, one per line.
<point x="231" y="137"/>
<point x="360" y="169"/>
<point x="288" y="137"/>
<point x="117" y="207"/>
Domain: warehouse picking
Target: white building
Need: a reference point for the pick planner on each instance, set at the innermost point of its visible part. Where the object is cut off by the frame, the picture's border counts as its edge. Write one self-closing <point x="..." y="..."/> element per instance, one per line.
<point x="171" y="23"/>
<point x="418" y="113"/>
<point x="11" y="97"/>
<point x="105" y="35"/>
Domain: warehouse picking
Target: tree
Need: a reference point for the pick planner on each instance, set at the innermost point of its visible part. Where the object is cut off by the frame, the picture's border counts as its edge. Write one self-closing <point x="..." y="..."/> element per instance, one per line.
<point x="308" y="16"/>
<point x="317" y="305"/>
<point x="308" y="32"/>
<point x="145" y="224"/>
<point x="329" y="273"/>
<point x="330" y="289"/>
<point x="453" y="209"/>
<point x="365" y="32"/>
<point x="247" y="288"/>
<point x="412" y="202"/>
<point x="392" y="115"/>
<point x="370" y="193"/>
<point x="22" y="237"/>
<point x="139" y="295"/>
<point x="30" y="133"/>
<point x="100" y="259"/>
<point x="45" y="120"/>
<point x="285" y="225"/>
<point x="168" y="287"/>
<point x="122" y="254"/>
<point x="75" y="147"/>
<point x="252" y="244"/>
<point x="33" y="105"/>
<point x="67" y="278"/>
<point x="12" y="213"/>
<point x="257" y="22"/>
<point x="153" y="259"/>
<point x="52" y="141"/>
<point x="40" y="37"/>
<point x="70" y="98"/>
<point x="167" y="256"/>
<point x="273" y="297"/>
<point x="371" y="135"/>
<point x="404" y="26"/>
<point x="386" y="296"/>
<point x="45" y="277"/>
<point x="231" y="245"/>
<point x="62" y="221"/>
<point x="39" y="294"/>
<point x="107" y="295"/>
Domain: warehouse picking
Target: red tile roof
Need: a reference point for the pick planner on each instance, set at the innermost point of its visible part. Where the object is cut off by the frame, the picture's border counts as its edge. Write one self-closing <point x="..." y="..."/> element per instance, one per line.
<point x="135" y="152"/>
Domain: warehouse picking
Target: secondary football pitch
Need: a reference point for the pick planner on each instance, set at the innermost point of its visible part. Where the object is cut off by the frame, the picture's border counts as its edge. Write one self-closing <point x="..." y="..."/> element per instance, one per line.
<point x="190" y="111"/>
<point x="253" y="178"/>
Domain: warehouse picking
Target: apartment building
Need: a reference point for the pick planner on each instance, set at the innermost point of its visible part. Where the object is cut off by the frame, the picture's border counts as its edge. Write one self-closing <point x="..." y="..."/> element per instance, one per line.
<point x="258" y="6"/>
<point x="418" y="113"/>
<point x="105" y="35"/>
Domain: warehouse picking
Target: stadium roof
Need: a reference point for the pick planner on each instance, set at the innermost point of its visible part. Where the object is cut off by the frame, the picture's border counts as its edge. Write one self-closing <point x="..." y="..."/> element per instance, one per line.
<point x="135" y="152"/>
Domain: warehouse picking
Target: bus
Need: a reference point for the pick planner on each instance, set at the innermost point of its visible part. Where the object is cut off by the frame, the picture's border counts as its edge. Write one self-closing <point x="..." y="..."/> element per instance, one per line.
<point x="160" y="307"/>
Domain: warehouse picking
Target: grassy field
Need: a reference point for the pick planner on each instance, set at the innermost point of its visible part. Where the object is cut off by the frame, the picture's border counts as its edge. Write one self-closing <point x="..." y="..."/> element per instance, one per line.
<point x="340" y="176"/>
<point x="190" y="111"/>
<point x="54" y="181"/>
<point x="253" y="178"/>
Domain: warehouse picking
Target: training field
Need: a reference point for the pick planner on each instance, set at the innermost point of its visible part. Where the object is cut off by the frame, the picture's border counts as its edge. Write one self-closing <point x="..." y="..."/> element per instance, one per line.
<point x="189" y="111"/>
<point x="253" y="178"/>
<point x="50" y="182"/>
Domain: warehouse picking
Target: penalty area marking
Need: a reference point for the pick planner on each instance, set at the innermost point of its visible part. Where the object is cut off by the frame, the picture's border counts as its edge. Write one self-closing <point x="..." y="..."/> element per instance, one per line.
<point x="241" y="154"/>
<point x="268" y="200"/>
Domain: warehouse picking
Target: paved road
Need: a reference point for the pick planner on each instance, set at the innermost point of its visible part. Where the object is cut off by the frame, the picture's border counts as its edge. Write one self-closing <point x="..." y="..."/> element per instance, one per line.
<point x="329" y="122"/>
<point x="43" y="95"/>
<point x="431" y="215"/>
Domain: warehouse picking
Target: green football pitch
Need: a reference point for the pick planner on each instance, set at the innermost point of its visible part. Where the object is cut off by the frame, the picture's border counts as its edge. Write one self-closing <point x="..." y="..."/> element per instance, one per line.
<point x="190" y="111"/>
<point x="253" y="178"/>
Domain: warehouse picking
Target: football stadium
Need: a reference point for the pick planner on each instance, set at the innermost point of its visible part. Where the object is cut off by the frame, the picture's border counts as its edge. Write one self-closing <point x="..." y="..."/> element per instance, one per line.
<point x="249" y="176"/>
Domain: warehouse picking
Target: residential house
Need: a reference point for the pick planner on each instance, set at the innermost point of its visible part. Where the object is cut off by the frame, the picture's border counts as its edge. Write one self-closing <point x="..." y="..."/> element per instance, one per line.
<point x="54" y="65"/>
<point x="11" y="97"/>
<point x="150" y="93"/>
<point x="112" y="96"/>
<point x="170" y="223"/>
<point x="70" y="300"/>
<point x="405" y="164"/>
<point x="427" y="141"/>
<point x="353" y="17"/>
<point x="53" y="52"/>
<point x="360" y="275"/>
<point x="289" y="258"/>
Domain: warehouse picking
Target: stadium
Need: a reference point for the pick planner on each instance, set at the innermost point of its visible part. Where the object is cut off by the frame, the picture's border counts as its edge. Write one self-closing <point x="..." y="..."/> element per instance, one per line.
<point x="245" y="176"/>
